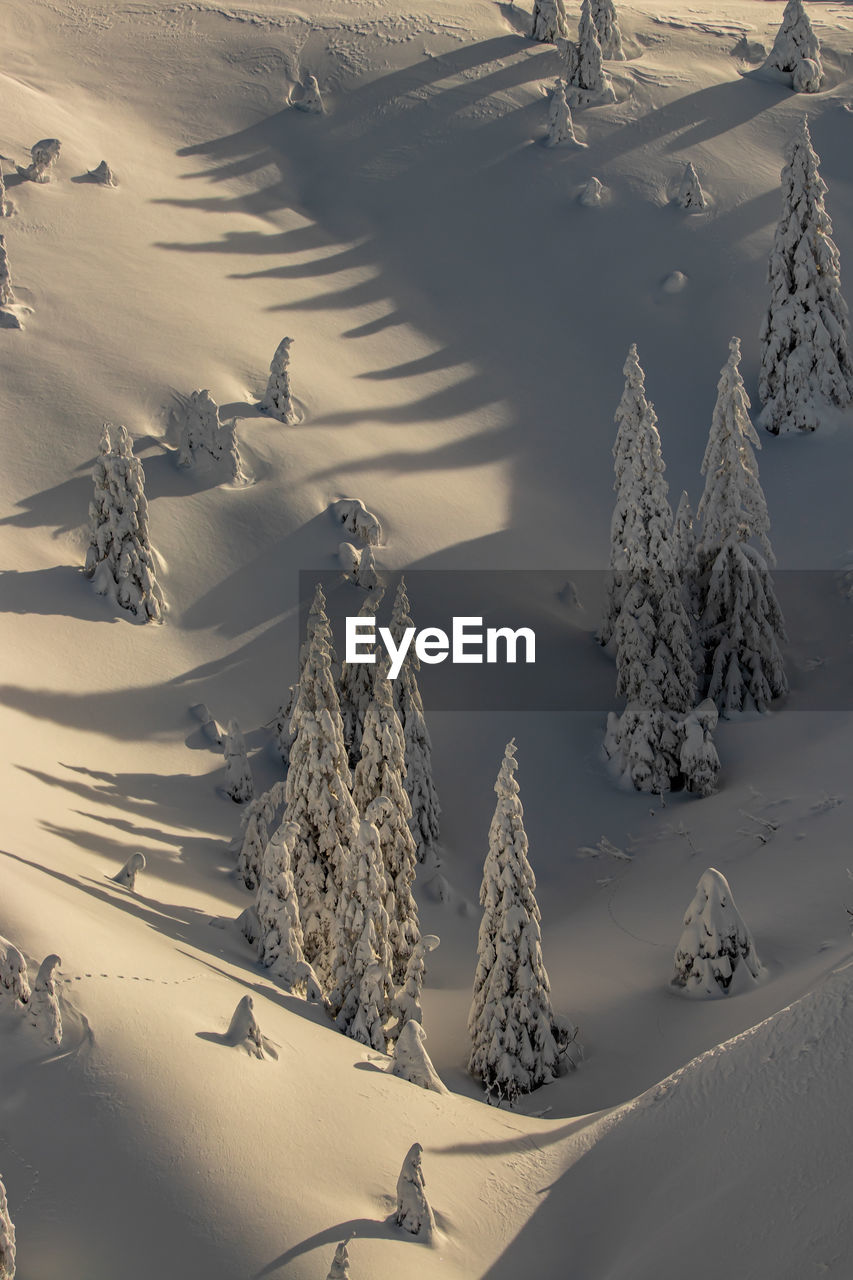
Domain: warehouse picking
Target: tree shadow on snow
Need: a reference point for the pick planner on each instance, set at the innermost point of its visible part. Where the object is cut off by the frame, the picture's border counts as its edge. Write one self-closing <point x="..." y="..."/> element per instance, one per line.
<point x="361" y="1228"/>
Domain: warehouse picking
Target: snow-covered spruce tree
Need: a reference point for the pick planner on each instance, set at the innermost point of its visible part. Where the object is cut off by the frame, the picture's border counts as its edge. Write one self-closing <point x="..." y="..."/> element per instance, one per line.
<point x="362" y="988"/>
<point x="412" y="1062"/>
<point x="607" y="28"/>
<point x="257" y="822"/>
<point x="414" y="1213"/>
<point x="517" y="1041"/>
<point x="280" y="939"/>
<point x="419" y="783"/>
<point x="380" y="796"/>
<point x="43" y="1008"/>
<point x="319" y="801"/>
<point x="197" y="420"/>
<point x="690" y="193"/>
<point x="340" y="1263"/>
<point x="230" y="451"/>
<point x="805" y="357"/>
<point x="632" y="410"/>
<point x="356" y="689"/>
<point x="238" y="773"/>
<point x="740" y="622"/>
<point x="282" y="725"/>
<point x="653" y="635"/>
<point x="120" y="560"/>
<point x="561" y="128"/>
<point x="715" y="942"/>
<point x="590" y="81"/>
<point x="7" y="293"/>
<point x="277" y="399"/>
<point x="549" y="21"/>
<point x="407" y="998"/>
<point x="699" y="761"/>
<point x="7" y="1238"/>
<point x="797" y="49"/>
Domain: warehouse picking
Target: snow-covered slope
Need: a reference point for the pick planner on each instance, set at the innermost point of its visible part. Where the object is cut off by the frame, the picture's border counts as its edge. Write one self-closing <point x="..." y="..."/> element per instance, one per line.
<point x="460" y="322"/>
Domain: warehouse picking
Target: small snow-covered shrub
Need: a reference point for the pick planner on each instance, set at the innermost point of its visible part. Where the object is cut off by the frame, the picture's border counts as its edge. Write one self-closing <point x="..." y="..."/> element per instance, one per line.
<point x="414" y="1213"/>
<point x="130" y="870"/>
<point x="277" y="400"/>
<point x="244" y="1032"/>
<point x="356" y="519"/>
<point x="311" y="100"/>
<point x="340" y="1263"/>
<point x="45" y="154"/>
<point x="239" y="784"/>
<point x="690" y="193"/>
<point x="593" y="193"/>
<point x="412" y="1062"/>
<point x="44" y="1009"/>
<point x="715" y="942"/>
<point x="103" y="175"/>
<point x="14" y="984"/>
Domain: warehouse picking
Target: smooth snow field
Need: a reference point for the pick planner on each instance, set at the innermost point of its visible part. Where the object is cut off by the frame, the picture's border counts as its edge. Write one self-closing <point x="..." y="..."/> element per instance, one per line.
<point x="460" y="320"/>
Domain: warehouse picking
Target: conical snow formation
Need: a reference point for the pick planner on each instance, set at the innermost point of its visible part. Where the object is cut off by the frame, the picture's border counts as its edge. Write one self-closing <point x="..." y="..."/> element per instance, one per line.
<point x="561" y="128"/>
<point x="239" y="784"/>
<point x="340" y="1263"/>
<point x="44" y="1009"/>
<point x="715" y="943"/>
<point x="7" y="1238"/>
<point x="412" y="1062"/>
<point x="311" y="100"/>
<point x="103" y="175"/>
<point x="7" y="293"/>
<point x="607" y="28"/>
<point x="805" y="358"/>
<point x="797" y="49"/>
<point x="413" y="1209"/>
<point x="318" y="797"/>
<point x="131" y="869"/>
<point x="592" y="194"/>
<point x="419" y="782"/>
<point x="589" y="79"/>
<point x="740" y="623"/>
<point x="277" y="399"/>
<point x="280" y="941"/>
<point x="690" y="193"/>
<point x="120" y="559"/>
<point x="243" y="1030"/>
<point x="517" y="1042"/>
<point x="45" y="154"/>
<point x="363" y="988"/>
<point x="549" y="21"/>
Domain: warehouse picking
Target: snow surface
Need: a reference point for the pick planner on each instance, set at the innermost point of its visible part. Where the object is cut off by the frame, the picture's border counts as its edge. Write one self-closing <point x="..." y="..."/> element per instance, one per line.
<point x="462" y="381"/>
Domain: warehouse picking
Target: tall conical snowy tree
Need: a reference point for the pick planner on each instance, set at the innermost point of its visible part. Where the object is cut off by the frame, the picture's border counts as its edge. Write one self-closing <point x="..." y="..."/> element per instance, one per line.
<point x="549" y="21"/>
<point x="517" y="1041"/>
<point x="607" y="28"/>
<point x="380" y="796"/>
<point x="7" y="1238"/>
<point x="561" y="128"/>
<point x="741" y="625"/>
<point x="654" y="639"/>
<point x="319" y="801"/>
<point x="715" y="942"/>
<point x="797" y="49"/>
<point x="277" y="399"/>
<point x="632" y="410"/>
<point x="357" y="689"/>
<point x="257" y="822"/>
<point x="7" y="293"/>
<point x="280" y="942"/>
<point x="690" y="193"/>
<point x="420" y="785"/>
<point x="120" y="560"/>
<point x="362" y="987"/>
<point x="805" y="357"/>
<point x="589" y="80"/>
<point x="414" y="1212"/>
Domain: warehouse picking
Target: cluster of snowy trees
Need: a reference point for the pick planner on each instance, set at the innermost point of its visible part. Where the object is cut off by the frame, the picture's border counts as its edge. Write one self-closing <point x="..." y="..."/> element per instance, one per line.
<point x="38" y="1003"/>
<point x="332" y="851"/>
<point x="691" y="609"/>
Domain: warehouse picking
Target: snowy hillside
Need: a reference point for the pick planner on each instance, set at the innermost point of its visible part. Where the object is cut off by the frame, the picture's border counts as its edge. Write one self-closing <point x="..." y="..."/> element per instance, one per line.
<point x="460" y="322"/>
